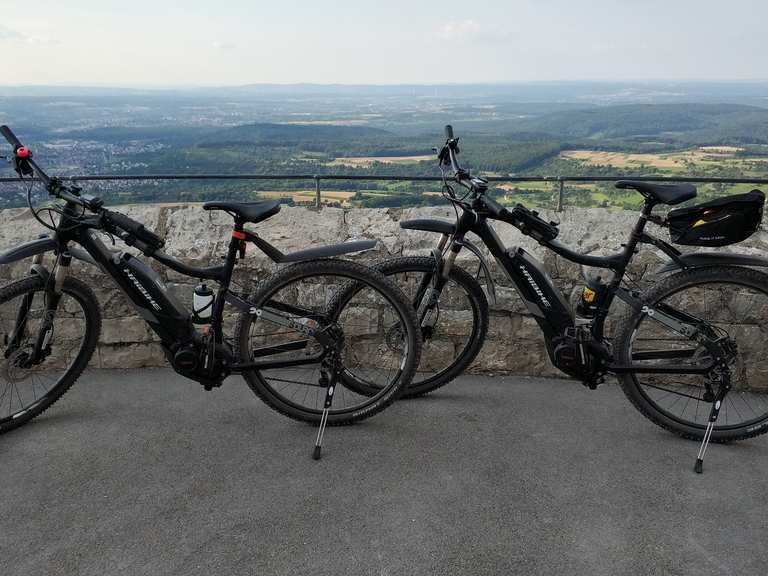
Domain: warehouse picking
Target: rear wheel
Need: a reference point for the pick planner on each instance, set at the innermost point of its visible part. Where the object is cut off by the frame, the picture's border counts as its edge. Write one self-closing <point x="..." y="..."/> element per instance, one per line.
<point x="734" y="303"/>
<point x="290" y="364"/>
<point x="28" y="387"/>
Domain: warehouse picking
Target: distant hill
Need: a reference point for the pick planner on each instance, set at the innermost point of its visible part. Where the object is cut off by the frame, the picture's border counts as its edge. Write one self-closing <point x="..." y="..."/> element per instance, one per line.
<point x="674" y="123"/>
<point x="270" y="134"/>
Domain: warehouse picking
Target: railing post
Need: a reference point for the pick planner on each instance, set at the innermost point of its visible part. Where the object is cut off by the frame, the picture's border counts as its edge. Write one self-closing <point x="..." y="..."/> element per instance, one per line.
<point x="560" y="194"/>
<point x="317" y="193"/>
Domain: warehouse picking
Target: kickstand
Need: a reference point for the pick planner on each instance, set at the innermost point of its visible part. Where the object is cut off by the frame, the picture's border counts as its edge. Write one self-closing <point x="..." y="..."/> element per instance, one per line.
<point x="331" y="384"/>
<point x="699" y="467"/>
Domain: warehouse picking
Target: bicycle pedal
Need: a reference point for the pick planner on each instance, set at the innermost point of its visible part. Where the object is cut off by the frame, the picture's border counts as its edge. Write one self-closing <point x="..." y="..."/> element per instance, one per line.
<point x="592" y="384"/>
<point x="211" y="384"/>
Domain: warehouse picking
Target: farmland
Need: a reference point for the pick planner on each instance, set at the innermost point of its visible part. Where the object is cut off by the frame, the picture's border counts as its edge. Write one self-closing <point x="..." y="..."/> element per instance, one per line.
<point x="677" y="163"/>
<point x="366" y="161"/>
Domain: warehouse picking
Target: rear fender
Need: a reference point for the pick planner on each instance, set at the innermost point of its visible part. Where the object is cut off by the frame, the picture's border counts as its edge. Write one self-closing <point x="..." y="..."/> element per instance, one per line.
<point x="705" y="259"/>
<point x="311" y="253"/>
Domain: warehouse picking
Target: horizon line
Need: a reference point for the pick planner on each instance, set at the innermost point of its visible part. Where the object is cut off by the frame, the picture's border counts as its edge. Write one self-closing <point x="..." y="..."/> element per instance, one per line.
<point x="510" y="83"/>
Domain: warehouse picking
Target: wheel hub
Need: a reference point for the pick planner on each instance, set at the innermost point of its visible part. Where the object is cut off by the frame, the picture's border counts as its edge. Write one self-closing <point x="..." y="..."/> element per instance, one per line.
<point x="15" y="367"/>
<point x="394" y="337"/>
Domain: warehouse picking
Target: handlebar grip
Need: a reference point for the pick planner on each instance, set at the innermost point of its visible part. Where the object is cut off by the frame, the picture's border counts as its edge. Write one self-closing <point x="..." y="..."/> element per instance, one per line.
<point x="11" y="137"/>
<point x="135" y="228"/>
<point x="448" y="132"/>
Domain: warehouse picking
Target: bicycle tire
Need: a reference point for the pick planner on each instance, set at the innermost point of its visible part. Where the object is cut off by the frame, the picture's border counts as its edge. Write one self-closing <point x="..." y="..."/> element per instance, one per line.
<point x="670" y="286"/>
<point x="480" y="319"/>
<point x="85" y="297"/>
<point x="353" y="272"/>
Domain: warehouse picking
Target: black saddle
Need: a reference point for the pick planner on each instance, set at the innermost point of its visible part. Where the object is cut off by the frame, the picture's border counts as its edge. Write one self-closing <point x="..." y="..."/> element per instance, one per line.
<point x="246" y="211"/>
<point x="661" y="193"/>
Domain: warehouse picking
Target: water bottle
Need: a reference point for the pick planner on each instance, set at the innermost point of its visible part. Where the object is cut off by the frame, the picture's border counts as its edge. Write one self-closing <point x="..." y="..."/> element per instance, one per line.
<point x="592" y="294"/>
<point x="202" y="304"/>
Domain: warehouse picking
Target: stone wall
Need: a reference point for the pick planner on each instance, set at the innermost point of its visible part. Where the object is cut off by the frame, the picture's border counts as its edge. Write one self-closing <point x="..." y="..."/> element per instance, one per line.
<point x="199" y="237"/>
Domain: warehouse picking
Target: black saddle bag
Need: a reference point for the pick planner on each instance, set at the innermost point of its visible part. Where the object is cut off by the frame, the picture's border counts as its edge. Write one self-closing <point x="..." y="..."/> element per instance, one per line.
<point x="718" y="222"/>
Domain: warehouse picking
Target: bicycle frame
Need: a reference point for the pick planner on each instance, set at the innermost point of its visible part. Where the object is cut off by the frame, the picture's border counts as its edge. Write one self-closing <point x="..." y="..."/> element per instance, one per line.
<point x="165" y="315"/>
<point x="547" y="304"/>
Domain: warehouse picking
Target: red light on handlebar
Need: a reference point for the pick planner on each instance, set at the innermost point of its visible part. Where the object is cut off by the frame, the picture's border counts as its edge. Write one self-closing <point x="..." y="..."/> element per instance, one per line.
<point x="22" y="152"/>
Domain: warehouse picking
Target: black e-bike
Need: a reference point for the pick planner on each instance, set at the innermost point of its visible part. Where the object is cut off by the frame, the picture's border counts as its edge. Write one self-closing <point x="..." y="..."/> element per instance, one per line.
<point x="691" y="353"/>
<point x="305" y="338"/>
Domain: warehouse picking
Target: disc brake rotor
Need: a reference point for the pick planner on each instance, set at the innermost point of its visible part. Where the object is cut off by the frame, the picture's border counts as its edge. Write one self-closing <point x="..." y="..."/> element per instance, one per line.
<point x="395" y="337"/>
<point x="12" y="367"/>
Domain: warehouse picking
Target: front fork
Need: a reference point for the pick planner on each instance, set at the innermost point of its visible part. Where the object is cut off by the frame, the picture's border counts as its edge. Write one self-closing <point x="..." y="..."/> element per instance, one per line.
<point x="52" y="296"/>
<point x="428" y="293"/>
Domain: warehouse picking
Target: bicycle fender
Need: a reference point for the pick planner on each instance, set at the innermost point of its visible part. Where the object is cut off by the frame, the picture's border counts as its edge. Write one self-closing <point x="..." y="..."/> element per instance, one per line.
<point x="429" y="225"/>
<point x="41" y="246"/>
<point x="27" y="250"/>
<point x="704" y="259"/>
<point x="328" y="251"/>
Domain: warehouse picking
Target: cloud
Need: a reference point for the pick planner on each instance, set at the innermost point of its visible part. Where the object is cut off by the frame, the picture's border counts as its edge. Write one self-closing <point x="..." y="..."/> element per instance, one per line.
<point x="223" y="45"/>
<point x="474" y="31"/>
<point x="8" y="34"/>
<point x="11" y="35"/>
<point x="459" y="30"/>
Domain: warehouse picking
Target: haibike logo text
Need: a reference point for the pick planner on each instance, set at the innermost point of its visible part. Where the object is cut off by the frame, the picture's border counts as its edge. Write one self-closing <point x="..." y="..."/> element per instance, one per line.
<point x="141" y="289"/>
<point x="535" y="287"/>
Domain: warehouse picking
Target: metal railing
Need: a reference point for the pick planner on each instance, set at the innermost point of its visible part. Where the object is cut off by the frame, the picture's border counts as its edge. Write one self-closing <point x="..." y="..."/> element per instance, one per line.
<point x="559" y="181"/>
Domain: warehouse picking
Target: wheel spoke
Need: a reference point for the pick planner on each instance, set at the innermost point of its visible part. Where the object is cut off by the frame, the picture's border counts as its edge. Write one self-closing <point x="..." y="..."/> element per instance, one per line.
<point x="715" y="308"/>
<point x="26" y="386"/>
<point x="342" y="319"/>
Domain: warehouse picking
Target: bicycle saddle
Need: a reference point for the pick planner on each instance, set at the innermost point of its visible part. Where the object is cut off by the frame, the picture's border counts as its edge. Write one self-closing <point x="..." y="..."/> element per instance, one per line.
<point x="661" y="193"/>
<point x="246" y="211"/>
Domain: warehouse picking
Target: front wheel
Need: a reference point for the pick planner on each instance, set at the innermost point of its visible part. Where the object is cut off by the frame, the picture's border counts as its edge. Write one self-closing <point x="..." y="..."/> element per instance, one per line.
<point x="28" y="384"/>
<point x="289" y="364"/>
<point x="453" y="332"/>
<point x="727" y="302"/>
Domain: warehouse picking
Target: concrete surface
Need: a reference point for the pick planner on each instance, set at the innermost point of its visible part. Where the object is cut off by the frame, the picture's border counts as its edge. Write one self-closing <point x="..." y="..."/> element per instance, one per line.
<point x="146" y="473"/>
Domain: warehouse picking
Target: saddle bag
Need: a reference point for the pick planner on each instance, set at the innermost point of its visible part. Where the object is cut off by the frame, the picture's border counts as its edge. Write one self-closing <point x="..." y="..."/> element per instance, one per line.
<point x="718" y="222"/>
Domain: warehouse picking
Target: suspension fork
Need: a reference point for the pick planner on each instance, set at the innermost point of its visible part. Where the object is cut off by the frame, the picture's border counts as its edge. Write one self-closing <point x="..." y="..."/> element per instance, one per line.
<point x="52" y="296"/>
<point x="432" y="284"/>
<point x="20" y="325"/>
<point x="53" y="291"/>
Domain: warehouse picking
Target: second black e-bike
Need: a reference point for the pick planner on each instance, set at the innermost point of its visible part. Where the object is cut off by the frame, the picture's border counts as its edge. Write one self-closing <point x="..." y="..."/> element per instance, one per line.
<point x="691" y="352"/>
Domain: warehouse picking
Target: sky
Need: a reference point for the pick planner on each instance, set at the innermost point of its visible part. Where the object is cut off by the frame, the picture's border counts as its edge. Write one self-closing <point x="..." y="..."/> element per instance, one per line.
<point x="234" y="42"/>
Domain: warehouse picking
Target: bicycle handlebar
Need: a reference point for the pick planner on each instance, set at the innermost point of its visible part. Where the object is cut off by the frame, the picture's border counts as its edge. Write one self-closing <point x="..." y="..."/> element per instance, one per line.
<point x="133" y="227"/>
<point x="22" y="157"/>
<point x="11" y="137"/>
<point x="448" y="153"/>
